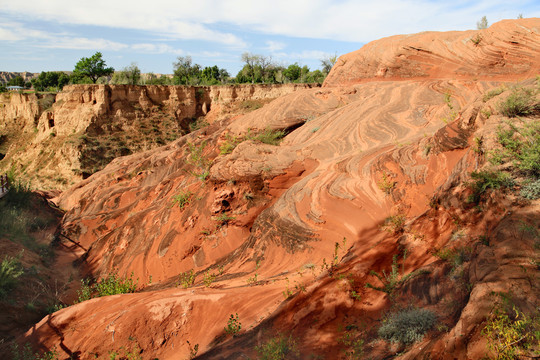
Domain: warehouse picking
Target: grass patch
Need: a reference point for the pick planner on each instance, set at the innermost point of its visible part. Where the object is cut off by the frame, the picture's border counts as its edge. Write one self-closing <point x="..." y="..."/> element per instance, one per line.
<point x="487" y="179"/>
<point x="270" y="137"/>
<point x="492" y="93"/>
<point x="279" y="347"/>
<point x="10" y="269"/>
<point x="183" y="198"/>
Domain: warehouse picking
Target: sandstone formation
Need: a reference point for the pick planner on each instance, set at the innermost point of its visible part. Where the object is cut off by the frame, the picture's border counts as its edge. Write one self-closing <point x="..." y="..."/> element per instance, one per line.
<point x="67" y="137"/>
<point x="374" y="167"/>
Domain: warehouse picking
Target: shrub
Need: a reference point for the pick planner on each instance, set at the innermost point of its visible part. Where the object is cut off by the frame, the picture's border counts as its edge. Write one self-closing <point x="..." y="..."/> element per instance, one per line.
<point x="520" y="144"/>
<point x="183" y="198"/>
<point x="394" y="224"/>
<point x="511" y="333"/>
<point x="208" y="278"/>
<point x="10" y="270"/>
<point x="279" y="347"/>
<point x="531" y="190"/>
<point x="487" y="179"/>
<point x="233" y="325"/>
<point x="187" y="279"/>
<point x="230" y="144"/>
<point x="407" y="326"/>
<point x="26" y="353"/>
<point x="492" y="93"/>
<point x="111" y="285"/>
<point x="386" y="185"/>
<point x="520" y="102"/>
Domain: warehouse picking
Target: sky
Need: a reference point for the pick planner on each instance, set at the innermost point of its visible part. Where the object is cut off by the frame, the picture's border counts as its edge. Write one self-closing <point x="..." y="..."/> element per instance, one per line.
<point x="52" y="35"/>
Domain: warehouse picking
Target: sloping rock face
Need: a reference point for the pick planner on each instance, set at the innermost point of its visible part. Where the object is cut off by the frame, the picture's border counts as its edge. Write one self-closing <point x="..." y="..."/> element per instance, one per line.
<point x="287" y="237"/>
<point x="55" y="141"/>
<point x="506" y="50"/>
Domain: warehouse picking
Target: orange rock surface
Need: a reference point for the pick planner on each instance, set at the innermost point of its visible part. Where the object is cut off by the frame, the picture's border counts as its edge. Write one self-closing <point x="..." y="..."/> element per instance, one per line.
<point x="293" y="231"/>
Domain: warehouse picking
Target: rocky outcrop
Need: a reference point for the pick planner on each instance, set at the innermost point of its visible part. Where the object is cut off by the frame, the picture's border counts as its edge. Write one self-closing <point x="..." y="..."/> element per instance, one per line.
<point x="69" y="136"/>
<point x="506" y="50"/>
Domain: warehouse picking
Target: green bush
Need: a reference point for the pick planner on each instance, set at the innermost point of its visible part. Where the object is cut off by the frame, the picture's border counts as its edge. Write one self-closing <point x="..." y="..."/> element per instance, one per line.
<point x="521" y="145"/>
<point x="10" y="269"/>
<point x="26" y="353"/>
<point x="233" y="325"/>
<point x="183" y="198"/>
<point x="187" y="279"/>
<point x="520" y="102"/>
<point x="407" y="326"/>
<point x="280" y="347"/>
<point x="492" y="93"/>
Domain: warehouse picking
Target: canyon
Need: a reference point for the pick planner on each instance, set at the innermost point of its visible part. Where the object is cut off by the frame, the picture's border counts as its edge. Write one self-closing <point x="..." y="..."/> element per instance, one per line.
<point x="364" y="209"/>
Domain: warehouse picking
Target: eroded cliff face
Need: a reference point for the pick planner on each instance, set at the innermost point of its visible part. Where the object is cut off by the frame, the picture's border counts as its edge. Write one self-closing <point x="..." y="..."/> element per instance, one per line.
<point x="289" y="236"/>
<point x="70" y="136"/>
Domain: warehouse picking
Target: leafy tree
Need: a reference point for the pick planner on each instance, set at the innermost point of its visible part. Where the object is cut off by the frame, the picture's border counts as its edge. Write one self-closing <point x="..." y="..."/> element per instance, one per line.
<point x="186" y="73"/>
<point x="328" y="62"/>
<point x="130" y="75"/>
<point x="50" y="79"/>
<point x="482" y="24"/>
<point x="93" y="68"/>
<point x="16" y="81"/>
<point x="293" y="72"/>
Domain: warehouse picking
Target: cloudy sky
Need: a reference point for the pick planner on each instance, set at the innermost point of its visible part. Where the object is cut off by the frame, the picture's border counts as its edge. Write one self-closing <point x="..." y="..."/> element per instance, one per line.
<point x="47" y="35"/>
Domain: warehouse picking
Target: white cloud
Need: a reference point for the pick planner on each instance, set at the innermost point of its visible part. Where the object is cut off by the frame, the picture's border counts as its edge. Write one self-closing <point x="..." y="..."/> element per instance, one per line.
<point x="156" y="49"/>
<point x="81" y="43"/>
<point x="274" y="46"/>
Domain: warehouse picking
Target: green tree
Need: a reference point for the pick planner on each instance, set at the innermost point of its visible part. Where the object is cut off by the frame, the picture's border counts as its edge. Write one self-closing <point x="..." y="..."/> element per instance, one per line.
<point x="16" y="81"/>
<point x="293" y="72"/>
<point x="186" y="73"/>
<point x="482" y="24"/>
<point x="93" y="68"/>
<point x="130" y="75"/>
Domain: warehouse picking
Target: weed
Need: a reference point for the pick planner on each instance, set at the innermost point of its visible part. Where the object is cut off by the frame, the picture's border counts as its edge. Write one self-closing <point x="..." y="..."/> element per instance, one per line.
<point x="354" y="345"/>
<point x="252" y="280"/>
<point x="520" y="102"/>
<point x="193" y="350"/>
<point x="492" y="93"/>
<point x="355" y="296"/>
<point x="187" y="279"/>
<point x="233" y="325"/>
<point x="287" y="293"/>
<point x="198" y="124"/>
<point x="26" y="353"/>
<point x="476" y="40"/>
<point x="230" y="144"/>
<point x="487" y="179"/>
<point x="407" y="326"/>
<point x="385" y="184"/>
<point x="111" y="285"/>
<point x="183" y="198"/>
<point x="279" y="347"/>
<point x="223" y="219"/>
<point x="453" y="112"/>
<point x="394" y="224"/>
<point x="270" y="137"/>
<point x="196" y="157"/>
<point x="208" y="278"/>
<point x="10" y="269"/>
<point x="511" y="333"/>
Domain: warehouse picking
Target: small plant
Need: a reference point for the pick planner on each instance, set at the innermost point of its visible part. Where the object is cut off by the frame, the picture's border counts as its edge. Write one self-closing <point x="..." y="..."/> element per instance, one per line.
<point x="230" y="144"/>
<point x="531" y="190"/>
<point x="279" y="347"/>
<point x="510" y="333"/>
<point x="10" y="269"/>
<point x="208" y="278"/>
<point x="233" y="325"/>
<point x="110" y="285"/>
<point x="196" y="157"/>
<point x="476" y="40"/>
<point x="187" y="279"/>
<point x="487" y="179"/>
<point x="287" y="293"/>
<point x="252" y="280"/>
<point x="394" y="224"/>
<point x="492" y="93"/>
<point x="354" y="346"/>
<point x="183" y="198"/>
<point x="520" y="102"/>
<point x="355" y="295"/>
<point x="407" y="326"/>
<point x="249" y="196"/>
<point x="223" y="219"/>
<point x="26" y="353"/>
<point x="386" y="184"/>
<point x="270" y="137"/>
<point x="198" y="124"/>
<point x="193" y="350"/>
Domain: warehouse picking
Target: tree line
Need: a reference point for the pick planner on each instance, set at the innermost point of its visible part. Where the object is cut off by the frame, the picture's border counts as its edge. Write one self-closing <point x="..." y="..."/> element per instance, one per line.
<point x="257" y="69"/>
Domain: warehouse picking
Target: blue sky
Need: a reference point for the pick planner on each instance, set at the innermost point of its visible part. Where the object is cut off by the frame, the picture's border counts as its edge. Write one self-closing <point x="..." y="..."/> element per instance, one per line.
<point x="47" y="35"/>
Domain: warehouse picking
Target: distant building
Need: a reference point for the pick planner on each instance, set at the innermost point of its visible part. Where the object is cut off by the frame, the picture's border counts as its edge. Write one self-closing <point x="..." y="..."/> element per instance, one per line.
<point x="14" y="88"/>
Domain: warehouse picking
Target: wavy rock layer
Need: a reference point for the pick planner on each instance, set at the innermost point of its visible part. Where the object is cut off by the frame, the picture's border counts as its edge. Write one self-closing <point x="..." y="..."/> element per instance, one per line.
<point x="291" y="232"/>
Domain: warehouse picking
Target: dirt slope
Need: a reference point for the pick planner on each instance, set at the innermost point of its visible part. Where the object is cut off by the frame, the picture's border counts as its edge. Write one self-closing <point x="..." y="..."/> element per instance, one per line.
<point x="292" y="232"/>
